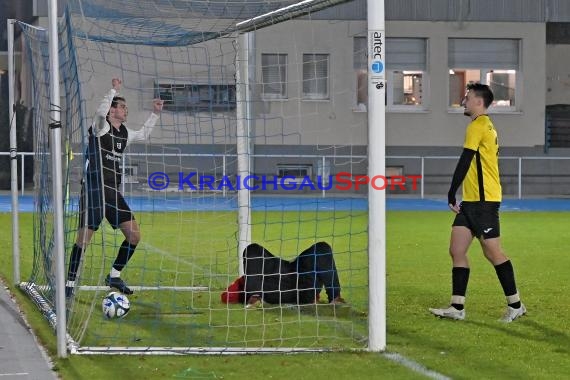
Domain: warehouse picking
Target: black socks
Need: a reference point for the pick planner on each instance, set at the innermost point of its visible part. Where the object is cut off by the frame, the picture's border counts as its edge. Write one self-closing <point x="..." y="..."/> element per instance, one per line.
<point x="459" y="280"/>
<point x="125" y="253"/>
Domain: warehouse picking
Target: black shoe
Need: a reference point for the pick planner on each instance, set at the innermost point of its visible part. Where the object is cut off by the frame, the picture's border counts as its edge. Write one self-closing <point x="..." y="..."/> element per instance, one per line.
<point x="117" y="283"/>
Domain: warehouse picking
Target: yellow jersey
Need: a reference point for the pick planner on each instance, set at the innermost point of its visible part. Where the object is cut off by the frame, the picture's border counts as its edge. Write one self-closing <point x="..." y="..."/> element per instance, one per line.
<point x="482" y="182"/>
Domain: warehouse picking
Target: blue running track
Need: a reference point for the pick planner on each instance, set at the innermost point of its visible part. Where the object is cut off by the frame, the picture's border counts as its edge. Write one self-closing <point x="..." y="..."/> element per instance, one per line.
<point x="190" y="203"/>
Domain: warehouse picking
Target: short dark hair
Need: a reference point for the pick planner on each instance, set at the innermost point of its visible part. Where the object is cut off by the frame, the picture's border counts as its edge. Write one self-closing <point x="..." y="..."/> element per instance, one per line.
<point x="482" y="91"/>
<point x="116" y="100"/>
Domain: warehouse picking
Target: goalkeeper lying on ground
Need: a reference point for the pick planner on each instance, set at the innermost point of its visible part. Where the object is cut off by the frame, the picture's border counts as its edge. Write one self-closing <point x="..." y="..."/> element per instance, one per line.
<point x="274" y="280"/>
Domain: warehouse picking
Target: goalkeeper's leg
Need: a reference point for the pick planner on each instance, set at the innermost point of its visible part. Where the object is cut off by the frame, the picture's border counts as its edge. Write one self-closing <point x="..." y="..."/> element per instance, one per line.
<point x="83" y="238"/>
<point x="119" y="215"/>
<point x="318" y="261"/>
<point x="90" y="217"/>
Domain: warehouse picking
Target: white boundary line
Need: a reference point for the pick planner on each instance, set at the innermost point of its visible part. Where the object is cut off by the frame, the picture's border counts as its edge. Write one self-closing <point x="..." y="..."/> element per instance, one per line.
<point x="15" y="374"/>
<point x="414" y="366"/>
<point x="169" y="256"/>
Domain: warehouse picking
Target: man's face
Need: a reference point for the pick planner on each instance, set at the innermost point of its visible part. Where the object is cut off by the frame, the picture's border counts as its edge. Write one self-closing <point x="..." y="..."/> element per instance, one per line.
<point x="470" y="103"/>
<point x="121" y="111"/>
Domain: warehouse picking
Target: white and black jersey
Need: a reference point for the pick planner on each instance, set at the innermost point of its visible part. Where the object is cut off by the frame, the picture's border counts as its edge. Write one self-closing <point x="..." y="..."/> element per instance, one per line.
<point x="106" y="144"/>
<point x="107" y="151"/>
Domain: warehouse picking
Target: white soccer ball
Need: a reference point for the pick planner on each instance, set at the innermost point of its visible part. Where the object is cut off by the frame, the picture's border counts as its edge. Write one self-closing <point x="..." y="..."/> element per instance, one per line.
<point x="116" y="305"/>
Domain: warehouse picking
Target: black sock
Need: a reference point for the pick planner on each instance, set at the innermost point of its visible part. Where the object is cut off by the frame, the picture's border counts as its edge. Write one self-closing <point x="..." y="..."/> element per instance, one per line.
<point x="459" y="280"/>
<point x="506" y="275"/>
<point x="125" y="253"/>
<point x="74" y="261"/>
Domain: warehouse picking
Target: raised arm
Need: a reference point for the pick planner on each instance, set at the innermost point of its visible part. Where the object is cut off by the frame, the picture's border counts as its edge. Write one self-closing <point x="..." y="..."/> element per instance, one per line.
<point x="144" y="133"/>
<point x="100" y="124"/>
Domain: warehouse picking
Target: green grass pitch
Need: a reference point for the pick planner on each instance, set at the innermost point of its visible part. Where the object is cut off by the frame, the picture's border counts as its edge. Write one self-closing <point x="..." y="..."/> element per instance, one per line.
<point x="418" y="268"/>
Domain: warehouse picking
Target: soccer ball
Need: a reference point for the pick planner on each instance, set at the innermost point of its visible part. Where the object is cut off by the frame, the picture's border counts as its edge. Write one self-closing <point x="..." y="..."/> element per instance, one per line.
<point x="116" y="305"/>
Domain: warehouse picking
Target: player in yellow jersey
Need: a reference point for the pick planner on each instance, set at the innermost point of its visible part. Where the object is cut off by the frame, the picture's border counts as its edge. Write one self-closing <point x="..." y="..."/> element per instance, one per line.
<point x="478" y="214"/>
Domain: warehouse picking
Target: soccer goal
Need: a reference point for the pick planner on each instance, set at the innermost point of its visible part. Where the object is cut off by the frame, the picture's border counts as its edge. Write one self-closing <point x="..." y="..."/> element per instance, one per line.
<point x="263" y="138"/>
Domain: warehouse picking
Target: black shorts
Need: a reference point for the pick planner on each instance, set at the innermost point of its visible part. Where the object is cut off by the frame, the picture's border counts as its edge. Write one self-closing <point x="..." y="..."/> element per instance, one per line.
<point x="117" y="210"/>
<point x="482" y="218"/>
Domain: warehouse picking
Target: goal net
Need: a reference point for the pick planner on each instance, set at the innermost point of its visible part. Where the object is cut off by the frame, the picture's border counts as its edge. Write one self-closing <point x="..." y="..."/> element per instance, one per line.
<point x="261" y="139"/>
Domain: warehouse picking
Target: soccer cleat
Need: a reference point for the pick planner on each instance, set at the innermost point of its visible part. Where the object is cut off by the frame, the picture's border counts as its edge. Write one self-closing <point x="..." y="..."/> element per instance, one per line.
<point x="449" y="313"/>
<point x="511" y="314"/>
<point x="117" y="283"/>
<point x="338" y="301"/>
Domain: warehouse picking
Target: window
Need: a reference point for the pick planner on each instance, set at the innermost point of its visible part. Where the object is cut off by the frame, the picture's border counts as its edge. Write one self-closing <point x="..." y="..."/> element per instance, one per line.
<point x="315" y="76"/>
<point x="406" y="88"/>
<point x="405" y="73"/>
<point x="406" y="76"/>
<point x="274" y="76"/>
<point x="294" y="170"/>
<point x="360" y="65"/>
<point x="192" y="97"/>
<point x="298" y="171"/>
<point x="494" y="62"/>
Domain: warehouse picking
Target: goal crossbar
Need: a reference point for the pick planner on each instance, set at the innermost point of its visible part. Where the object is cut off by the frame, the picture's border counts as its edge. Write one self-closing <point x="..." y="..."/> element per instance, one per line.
<point x="286" y="13"/>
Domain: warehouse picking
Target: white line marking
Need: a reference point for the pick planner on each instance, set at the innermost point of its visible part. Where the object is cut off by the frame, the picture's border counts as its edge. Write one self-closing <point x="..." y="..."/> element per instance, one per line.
<point x="414" y="366"/>
<point x="172" y="257"/>
<point x="15" y="374"/>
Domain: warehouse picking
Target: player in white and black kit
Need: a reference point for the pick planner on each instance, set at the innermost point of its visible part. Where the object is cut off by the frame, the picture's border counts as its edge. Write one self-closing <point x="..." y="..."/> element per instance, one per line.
<point x="100" y="194"/>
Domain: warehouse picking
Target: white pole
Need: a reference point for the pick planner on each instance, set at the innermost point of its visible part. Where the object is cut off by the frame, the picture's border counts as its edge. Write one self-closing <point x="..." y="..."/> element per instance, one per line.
<point x="22" y="166"/>
<point x="423" y="161"/>
<point x="323" y="174"/>
<point x="13" y="156"/>
<point x="250" y="94"/>
<point x="520" y="178"/>
<point x="376" y="166"/>
<point x="57" y="188"/>
<point x="224" y="173"/>
<point x="243" y="167"/>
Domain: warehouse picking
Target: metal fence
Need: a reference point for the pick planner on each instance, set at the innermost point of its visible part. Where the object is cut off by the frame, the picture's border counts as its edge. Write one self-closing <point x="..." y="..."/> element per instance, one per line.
<point x="522" y="176"/>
